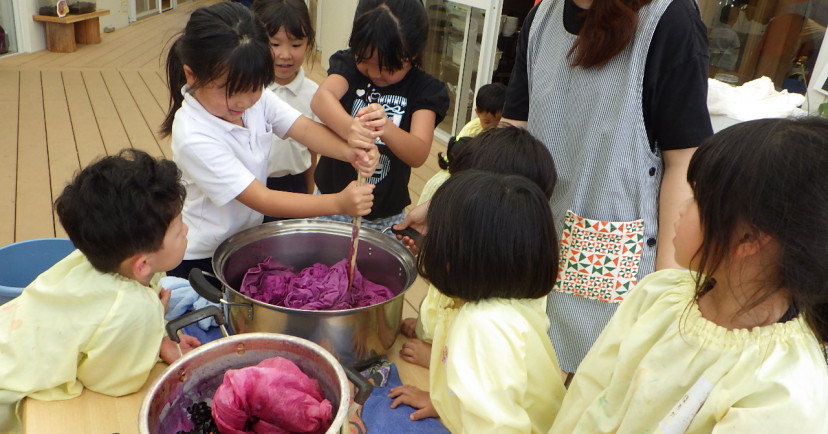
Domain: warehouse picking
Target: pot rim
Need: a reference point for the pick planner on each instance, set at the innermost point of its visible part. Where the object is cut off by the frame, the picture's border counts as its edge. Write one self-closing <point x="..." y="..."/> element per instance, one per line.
<point x="173" y="370"/>
<point x="243" y="238"/>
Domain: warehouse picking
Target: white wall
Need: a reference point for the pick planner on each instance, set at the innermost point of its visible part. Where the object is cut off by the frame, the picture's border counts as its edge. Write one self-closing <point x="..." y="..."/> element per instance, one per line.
<point x="334" y="27"/>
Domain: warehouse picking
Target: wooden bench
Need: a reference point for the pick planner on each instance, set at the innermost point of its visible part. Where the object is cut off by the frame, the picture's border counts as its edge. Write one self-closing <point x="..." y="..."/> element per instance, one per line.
<point x="63" y="33"/>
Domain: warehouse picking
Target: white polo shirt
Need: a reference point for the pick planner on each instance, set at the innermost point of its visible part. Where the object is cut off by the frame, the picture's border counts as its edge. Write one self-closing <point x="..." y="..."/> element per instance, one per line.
<point x="287" y="156"/>
<point x="218" y="160"/>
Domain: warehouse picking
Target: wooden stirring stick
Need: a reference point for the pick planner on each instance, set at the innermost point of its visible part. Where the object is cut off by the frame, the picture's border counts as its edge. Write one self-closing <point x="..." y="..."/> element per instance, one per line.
<point x="354" y="240"/>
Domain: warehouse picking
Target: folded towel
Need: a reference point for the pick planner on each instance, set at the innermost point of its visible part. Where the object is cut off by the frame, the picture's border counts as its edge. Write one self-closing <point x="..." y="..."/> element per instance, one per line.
<point x="183" y="299"/>
<point x="378" y="416"/>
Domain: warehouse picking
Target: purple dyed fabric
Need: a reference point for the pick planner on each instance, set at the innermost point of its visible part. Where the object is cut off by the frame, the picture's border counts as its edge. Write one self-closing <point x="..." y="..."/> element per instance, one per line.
<point x="317" y="287"/>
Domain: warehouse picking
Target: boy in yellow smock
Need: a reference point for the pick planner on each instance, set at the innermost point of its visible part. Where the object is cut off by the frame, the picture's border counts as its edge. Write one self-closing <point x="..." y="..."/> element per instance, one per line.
<point x="96" y="318"/>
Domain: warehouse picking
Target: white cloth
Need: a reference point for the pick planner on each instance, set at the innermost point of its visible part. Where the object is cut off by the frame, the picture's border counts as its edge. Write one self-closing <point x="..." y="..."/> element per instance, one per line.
<point x="639" y="377"/>
<point x="75" y="327"/>
<point x="756" y="99"/>
<point x="218" y="160"/>
<point x="287" y="156"/>
<point x="493" y="368"/>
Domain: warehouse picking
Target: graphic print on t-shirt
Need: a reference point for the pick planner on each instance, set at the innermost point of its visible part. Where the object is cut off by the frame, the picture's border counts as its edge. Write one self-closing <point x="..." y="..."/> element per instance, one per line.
<point x="394" y="106"/>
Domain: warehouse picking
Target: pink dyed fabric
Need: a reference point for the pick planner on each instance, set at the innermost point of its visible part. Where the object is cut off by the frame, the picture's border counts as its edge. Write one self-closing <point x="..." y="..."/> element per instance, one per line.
<point x="274" y="396"/>
<point x="317" y="287"/>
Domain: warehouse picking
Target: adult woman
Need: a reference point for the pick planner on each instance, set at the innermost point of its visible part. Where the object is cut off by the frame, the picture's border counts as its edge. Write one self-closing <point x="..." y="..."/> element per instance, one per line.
<point x="617" y="92"/>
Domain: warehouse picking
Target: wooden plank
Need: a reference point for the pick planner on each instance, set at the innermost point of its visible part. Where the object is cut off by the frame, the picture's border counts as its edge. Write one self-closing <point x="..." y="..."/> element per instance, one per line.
<point x="88" y="141"/>
<point x="112" y="131"/>
<point x="9" y="98"/>
<point x="71" y="18"/>
<point x="156" y="82"/>
<point x="148" y="105"/>
<point x="141" y="134"/>
<point x="34" y="195"/>
<point x="60" y="140"/>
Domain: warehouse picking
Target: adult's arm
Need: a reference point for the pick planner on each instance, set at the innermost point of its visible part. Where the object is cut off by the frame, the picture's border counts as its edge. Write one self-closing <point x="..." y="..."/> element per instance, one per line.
<point x="674" y="191"/>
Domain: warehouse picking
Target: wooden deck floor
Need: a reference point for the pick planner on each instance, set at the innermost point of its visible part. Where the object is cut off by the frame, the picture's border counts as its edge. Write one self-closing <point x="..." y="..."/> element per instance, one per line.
<point x="60" y="111"/>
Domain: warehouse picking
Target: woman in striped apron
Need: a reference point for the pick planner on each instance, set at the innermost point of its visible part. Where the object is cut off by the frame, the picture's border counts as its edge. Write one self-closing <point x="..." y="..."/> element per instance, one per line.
<point x="622" y="116"/>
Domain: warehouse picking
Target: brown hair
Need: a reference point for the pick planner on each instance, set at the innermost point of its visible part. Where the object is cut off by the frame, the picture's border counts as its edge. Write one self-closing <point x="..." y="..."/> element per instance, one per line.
<point x="609" y="25"/>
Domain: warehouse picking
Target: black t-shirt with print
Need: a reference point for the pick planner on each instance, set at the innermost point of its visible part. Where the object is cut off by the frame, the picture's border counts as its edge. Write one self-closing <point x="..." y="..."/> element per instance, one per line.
<point x="416" y="91"/>
<point x="674" y="95"/>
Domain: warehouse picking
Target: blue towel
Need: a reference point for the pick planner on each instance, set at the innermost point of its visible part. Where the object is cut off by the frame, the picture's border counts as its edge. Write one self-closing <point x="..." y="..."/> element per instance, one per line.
<point x="378" y="415"/>
<point x="183" y="299"/>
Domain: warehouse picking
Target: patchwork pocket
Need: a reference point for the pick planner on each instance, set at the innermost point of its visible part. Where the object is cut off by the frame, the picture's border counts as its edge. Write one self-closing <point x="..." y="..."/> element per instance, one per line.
<point x="598" y="259"/>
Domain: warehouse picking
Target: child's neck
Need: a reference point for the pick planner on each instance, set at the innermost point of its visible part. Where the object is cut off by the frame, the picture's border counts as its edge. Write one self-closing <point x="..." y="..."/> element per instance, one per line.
<point x="724" y="305"/>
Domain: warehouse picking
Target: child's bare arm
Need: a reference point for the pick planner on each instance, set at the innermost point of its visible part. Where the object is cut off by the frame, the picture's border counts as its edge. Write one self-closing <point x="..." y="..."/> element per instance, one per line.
<point x="353" y="200"/>
<point x="412" y="147"/>
<point x="318" y="138"/>
<point x="326" y="106"/>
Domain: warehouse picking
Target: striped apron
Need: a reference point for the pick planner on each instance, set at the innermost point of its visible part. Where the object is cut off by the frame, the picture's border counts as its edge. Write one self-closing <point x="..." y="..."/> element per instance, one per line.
<point x="606" y="200"/>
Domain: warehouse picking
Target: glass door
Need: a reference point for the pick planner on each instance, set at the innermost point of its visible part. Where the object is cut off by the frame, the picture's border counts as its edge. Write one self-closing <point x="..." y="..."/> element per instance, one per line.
<point x="461" y="51"/>
<point x="8" y="29"/>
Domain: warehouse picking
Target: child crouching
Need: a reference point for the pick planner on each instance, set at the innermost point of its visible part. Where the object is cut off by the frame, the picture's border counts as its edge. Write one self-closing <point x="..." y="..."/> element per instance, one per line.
<point x="96" y="318"/>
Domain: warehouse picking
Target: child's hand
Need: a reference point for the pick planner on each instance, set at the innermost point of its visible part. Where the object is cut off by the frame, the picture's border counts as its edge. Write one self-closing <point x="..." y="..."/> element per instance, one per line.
<point x="414" y="397"/>
<point x="164" y="295"/>
<point x="408" y="327"/>
<point x="360" y="137"/>
<point x="365" y="162"/>
<point x="415" y="219"/>
<point x="373" y="118"/>
<point x="169" y="350"/>
<point x="356" y="200"/>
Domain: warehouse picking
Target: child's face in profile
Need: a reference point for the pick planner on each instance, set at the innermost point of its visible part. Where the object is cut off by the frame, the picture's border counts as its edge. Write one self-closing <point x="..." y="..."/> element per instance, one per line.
<point x="488" y="120"/>
<point x="382" y="77"/>
<point x="688" y="239"/>
<point x="288" y="55"/>
<point x="172" y="249"/>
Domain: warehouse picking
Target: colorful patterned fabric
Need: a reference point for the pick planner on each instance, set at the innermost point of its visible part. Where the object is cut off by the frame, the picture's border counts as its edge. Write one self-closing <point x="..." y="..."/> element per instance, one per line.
<point x="599" y="260"/>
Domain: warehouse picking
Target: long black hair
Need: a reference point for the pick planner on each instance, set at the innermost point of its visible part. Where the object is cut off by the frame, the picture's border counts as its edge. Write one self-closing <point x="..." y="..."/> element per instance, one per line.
<point x="771" y="174"/>
<point x="221" y="39"/>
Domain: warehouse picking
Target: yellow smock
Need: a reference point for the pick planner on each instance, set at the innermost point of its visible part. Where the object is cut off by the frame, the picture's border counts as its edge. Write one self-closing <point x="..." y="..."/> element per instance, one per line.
<point x="660" y="367"/>
<point x="493" y="368"/>
<point x="471" y="129"/>
<point x="434" y="299"/>
<point x="76" y="327"/>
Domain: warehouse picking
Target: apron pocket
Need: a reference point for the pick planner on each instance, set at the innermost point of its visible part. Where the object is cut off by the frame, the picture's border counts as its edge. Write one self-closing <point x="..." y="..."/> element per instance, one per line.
<point x="598" y="259"/>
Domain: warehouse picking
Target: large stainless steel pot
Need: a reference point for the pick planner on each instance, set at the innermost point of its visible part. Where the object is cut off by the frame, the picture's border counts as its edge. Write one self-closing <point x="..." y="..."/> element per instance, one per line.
<point x="352" y="335"/>
<point x="195" y="377"/>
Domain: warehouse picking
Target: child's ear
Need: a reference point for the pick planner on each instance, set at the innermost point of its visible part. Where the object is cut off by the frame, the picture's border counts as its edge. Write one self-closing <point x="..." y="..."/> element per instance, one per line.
<point x="188" y="73"/>
<point x="140" y="266"/>
<point x="751" y="242"/>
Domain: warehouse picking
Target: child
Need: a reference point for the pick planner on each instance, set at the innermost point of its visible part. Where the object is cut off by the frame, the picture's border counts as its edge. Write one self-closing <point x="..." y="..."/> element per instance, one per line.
<point x="382" y="66"/>
<point x="507" y="150"/>
<point x="290" y="166"/>
<point x="734" y="344"/>
<point x="489" y="101"/>
<point x="221" y="124"/>
<point x="494" y="369"/>
<point x="96" y="318"/>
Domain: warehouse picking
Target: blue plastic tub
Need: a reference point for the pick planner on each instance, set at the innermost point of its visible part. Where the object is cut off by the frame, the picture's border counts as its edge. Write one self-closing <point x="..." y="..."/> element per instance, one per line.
<point x="21" y="263"/>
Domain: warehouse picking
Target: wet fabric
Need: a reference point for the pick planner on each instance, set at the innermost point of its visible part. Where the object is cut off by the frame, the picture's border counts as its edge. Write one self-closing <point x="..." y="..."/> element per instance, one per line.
<point x="274" y="396"/>
<point x="317" y="287"/>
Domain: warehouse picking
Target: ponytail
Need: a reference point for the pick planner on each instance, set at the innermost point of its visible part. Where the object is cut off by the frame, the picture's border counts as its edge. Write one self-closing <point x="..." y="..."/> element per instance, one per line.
<point x="608" y="28"/>
<point x="175" y="80"/>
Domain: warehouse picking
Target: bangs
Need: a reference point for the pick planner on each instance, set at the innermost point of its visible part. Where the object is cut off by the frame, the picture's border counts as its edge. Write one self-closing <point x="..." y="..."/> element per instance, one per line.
<point x="249" y="68"/>
<point x="381" y="35"/>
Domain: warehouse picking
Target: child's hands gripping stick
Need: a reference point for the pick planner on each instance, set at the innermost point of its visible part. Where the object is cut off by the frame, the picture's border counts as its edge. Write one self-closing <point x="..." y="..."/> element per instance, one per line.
<point x="365" y="161"/>
<point x="366" y="126"/>
<point x="356" y="200"/>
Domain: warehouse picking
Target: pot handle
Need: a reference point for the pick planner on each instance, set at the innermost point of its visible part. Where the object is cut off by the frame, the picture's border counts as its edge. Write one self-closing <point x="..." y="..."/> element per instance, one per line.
<point x="361" y="384"/>
<point x="203" y="287"/>
<point x="191" y="317"/>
